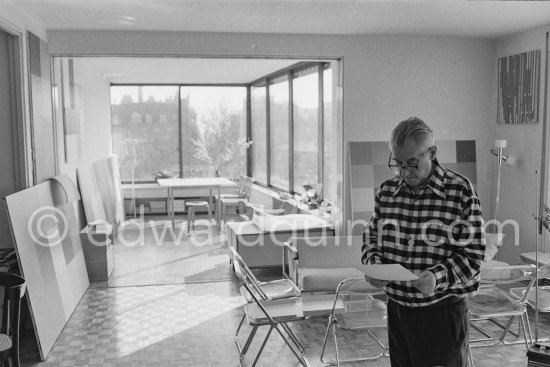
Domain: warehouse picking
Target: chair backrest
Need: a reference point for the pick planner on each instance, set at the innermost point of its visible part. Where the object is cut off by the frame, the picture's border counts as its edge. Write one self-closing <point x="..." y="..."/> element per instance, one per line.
<point x="246" y="277"/>
<point x="14" y="288"/>
<point x="247" y="187"/>
<point x="240" y="185"/>
<point x="361" y="308"/>
<point x="328" y="251"/>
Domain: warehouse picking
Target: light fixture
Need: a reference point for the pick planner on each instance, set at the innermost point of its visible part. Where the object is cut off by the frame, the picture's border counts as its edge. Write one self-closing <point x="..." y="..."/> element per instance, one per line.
<point x="508" y="160"/>
<point x="498" y="152"/>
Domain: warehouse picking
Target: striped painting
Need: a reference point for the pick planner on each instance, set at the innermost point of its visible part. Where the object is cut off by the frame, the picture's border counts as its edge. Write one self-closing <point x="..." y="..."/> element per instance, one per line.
<point x="518" y="88"/>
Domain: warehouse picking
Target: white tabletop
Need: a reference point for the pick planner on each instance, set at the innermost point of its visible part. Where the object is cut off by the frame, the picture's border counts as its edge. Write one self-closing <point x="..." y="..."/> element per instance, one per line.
<point x="195" y="182"/>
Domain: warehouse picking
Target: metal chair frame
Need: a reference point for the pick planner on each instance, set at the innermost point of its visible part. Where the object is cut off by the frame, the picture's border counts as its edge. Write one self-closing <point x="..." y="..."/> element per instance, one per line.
<point x="261" y="302"/>
<point x="516" y="308"/>
<point x="346" y="292"/>
<point x="524" y="295"/>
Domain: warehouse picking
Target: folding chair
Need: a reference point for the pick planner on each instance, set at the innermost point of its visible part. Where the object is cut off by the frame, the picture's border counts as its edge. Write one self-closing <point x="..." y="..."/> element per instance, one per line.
<point x="528" y="294"/>
<point x="492" y="303"/>
<point x="362" y="311"/>
<point x="272" y="304"/>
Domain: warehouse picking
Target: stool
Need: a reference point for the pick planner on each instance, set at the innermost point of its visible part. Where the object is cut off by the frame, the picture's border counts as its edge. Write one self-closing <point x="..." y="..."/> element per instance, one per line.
<point x="191" y="206"/>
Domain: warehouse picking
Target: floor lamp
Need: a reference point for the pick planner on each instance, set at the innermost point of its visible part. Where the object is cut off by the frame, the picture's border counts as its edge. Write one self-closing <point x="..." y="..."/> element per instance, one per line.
<point x="502" y="159"/>
<point x="131" y="150"/>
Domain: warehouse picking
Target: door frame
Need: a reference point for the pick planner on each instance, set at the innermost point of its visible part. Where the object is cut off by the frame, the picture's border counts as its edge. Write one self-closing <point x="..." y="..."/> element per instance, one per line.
<point x="20" y="127"/>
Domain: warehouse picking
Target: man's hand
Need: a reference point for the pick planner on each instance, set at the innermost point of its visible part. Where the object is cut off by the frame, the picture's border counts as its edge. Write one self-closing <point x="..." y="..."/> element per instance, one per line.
<point x="426" y="283"/>
<point x="377" y="283"/>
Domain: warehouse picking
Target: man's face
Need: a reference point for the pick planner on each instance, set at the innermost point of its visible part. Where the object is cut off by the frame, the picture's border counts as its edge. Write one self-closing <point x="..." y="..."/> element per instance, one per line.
<point x="413" y="154"/>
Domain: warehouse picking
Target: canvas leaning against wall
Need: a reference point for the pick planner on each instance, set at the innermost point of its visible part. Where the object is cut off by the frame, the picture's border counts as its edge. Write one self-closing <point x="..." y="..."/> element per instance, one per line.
<point x="44" y="226"/>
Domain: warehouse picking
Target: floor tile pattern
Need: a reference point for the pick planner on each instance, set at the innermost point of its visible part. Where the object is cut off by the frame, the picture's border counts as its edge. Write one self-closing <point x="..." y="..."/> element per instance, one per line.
<point x="187" y="324"/>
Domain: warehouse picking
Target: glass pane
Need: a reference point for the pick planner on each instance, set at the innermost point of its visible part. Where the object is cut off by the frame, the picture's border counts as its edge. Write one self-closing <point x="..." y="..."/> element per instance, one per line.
<point x="213" y="131"/>
<point x="328" y="135"/>
<point x="279" y="126"/>
<point x="259" y="146"/>
<point x="306" y="129"/>
<point x="145" y="130"/>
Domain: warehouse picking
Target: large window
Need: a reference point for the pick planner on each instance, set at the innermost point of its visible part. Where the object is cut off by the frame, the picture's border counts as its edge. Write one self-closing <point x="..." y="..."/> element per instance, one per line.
<point x="279" y="131"/>
<point x="305" y="94"/>
<point x="297" y="121"/>
<point x="196" y="131"/>
<point x="145" y="130"/>
<point x="329" y="131"/>
<point x="259" y="130"/>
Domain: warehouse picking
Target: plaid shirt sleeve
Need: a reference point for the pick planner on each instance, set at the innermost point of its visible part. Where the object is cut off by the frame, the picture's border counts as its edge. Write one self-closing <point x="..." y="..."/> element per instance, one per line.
<point x="463" y="265"/>
<point x="370" y="252"/>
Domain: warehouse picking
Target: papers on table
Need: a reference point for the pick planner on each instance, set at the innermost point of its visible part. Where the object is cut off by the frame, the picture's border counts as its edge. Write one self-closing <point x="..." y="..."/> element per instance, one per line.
<point x="389" y="272"/>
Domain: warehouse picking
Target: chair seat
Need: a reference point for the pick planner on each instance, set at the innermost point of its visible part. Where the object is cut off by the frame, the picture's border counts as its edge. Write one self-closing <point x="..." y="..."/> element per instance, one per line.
<point x="5" y="342"/>
<point x="324" y="279"/>
<point x="275" y="289"/>
<point x="362" y="311"/>
<point x="493" y="302"/>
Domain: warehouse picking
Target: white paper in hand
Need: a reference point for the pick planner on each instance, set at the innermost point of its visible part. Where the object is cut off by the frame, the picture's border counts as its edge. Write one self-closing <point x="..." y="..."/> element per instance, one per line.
<point x="389" y="272"/>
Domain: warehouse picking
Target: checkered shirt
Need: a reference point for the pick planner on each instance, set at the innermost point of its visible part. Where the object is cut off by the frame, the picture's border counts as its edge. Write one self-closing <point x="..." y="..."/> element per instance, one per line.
<point x="438" y="229"/>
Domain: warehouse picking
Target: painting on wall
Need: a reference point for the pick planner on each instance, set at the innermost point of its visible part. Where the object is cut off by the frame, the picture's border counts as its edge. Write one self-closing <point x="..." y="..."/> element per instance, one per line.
<point x="518" y="88"/>
<point x="71" y="96"/>
<point x="369" y="169"/>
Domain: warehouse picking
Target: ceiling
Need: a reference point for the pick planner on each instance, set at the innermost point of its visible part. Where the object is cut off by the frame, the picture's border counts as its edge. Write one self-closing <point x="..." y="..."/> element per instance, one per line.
<point x="471" y="19"/>
<point x="479" y="19"/>
<point x="173" y="70"/>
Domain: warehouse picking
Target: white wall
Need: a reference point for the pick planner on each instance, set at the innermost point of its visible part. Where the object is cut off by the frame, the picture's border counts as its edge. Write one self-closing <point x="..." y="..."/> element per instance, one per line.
<point x="446" y="81"/>
<point x="519" y="183"/>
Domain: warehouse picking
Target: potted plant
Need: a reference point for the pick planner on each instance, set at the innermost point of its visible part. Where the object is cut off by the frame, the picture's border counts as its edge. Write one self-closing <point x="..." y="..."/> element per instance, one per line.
<point x="163" y="173"/>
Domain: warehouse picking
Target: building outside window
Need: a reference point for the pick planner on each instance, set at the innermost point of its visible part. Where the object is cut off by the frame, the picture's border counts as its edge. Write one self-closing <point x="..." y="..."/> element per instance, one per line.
<point x="196" y="131"/>
<point x="279" y="125"/>
<point x="306" y="127"/>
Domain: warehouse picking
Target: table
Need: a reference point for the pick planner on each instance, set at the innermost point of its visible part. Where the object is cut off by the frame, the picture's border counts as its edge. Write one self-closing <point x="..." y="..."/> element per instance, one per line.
<point x="210" y="183"/>
<point x="529" y="258"/>
<point x="261" y="248"/>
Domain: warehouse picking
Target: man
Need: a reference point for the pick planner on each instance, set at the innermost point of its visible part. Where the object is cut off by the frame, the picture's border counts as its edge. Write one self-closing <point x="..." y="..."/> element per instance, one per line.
<point x="428" y="219"/>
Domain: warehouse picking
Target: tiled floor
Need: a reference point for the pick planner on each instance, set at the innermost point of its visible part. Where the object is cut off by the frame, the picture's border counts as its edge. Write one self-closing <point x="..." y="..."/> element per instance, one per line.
<point x="179" y="322"/>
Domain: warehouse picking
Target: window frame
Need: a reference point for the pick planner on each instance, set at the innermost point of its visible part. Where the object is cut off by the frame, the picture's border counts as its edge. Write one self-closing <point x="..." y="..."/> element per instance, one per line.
<point x="291" y="72"/>
<point x="180" y="137"/>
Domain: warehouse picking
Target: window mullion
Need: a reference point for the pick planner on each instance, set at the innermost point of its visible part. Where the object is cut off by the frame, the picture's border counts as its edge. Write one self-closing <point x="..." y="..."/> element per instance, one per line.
<point x="180" y="133"/>
<point x="249" y="151"/>
<point x="320" y="126"/>
<point x="290" y="133"/>
<point x="268" y="133"/>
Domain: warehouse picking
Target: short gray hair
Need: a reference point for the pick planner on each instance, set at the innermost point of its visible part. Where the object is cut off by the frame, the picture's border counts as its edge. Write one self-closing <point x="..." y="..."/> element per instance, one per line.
<point x="412" y="128"/>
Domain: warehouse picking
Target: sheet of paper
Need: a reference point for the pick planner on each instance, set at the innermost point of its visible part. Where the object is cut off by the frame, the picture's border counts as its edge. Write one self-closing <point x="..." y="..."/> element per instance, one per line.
<point x="389" y="272"/>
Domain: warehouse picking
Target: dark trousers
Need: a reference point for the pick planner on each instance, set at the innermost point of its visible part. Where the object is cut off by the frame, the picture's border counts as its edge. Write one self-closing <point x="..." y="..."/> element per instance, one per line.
<point x="435" y="335"/>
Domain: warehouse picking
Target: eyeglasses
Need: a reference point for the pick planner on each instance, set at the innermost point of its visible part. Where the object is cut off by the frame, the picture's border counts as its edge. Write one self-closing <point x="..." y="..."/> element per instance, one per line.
<point x="397" y="168"/>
